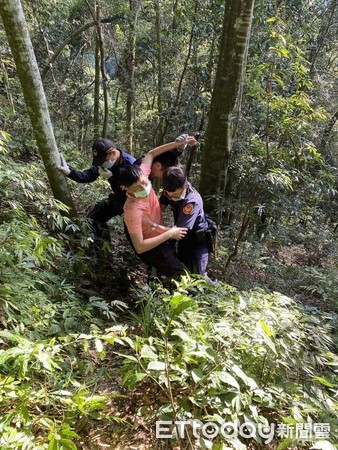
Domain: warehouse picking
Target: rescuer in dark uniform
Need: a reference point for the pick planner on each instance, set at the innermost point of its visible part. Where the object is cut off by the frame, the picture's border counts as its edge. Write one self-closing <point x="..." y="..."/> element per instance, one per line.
<point x="107" y="161"/>
<point x="187" y="206"/>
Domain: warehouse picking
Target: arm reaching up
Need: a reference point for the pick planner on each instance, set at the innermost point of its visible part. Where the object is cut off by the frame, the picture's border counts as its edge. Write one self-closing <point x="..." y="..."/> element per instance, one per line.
<point x="148" y="159"/>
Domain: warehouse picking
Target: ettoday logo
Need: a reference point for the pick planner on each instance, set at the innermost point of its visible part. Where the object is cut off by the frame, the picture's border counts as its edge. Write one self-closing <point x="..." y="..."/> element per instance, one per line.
<point x="233" y="430"/>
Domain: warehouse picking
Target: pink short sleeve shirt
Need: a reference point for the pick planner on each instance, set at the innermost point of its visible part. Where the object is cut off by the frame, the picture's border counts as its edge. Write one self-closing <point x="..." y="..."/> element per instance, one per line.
<point x="141" y="213"/>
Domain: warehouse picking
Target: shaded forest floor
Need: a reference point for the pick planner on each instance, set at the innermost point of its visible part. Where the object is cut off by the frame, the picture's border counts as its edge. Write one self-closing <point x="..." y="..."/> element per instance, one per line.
<point x="303" y="271"/>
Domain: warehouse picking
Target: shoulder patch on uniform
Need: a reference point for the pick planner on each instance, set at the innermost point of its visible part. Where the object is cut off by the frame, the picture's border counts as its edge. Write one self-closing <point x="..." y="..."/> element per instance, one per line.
<point x="188" y="209"/>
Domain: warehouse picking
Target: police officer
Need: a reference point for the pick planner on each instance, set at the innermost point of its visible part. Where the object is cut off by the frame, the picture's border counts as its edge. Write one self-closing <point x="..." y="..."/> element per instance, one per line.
<point x="107" y="160"/>
<point x="187" y="206"/>
<point x="150" y="239"/>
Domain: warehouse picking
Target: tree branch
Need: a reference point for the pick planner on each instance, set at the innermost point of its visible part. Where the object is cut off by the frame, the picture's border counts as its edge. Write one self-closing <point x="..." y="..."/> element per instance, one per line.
<point x="76" y="33"/>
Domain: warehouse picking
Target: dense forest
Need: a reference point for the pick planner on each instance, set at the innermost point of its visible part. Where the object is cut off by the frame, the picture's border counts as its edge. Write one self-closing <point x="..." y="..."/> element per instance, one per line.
<point x="94" y="352"/>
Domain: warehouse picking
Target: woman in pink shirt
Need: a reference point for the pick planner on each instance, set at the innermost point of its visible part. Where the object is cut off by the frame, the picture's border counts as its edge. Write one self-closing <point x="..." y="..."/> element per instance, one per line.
<point x="152" y="241"/>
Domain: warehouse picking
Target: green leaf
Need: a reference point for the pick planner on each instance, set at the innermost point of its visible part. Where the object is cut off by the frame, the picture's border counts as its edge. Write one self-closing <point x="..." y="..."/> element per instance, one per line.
<point x="9" y="354"/>
<point x="138" y="376"/>
<point x="176" y="299"/>
<point x="148" y="353"/>
<point x="6" y="334"/>
<point x="132" y="358"/>
<point x="197" y="375"/>
<point x="165" y="412"/>
<point x="124" y="340"/>
<point x="156" y="365"/>
<point x="266" y="332"/>
<point x="247" y="380"/>
<point x="323" y="381"/>
<point x="225" y="377"/>
<point x="47" y="361"/>
<point x="265" y="327"/>
<point x="53" y="445"/>
<point x="98" y="345"/>
<point x="182" y="307"/>
<point x="205" y="443"/>
<point x="182" y="334"/>
<point x="67" y="444"/>
<point x="285" y="444"/>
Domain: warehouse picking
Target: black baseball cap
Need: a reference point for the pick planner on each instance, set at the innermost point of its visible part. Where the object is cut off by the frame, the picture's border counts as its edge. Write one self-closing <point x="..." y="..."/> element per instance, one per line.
<point x="100" y="150"/>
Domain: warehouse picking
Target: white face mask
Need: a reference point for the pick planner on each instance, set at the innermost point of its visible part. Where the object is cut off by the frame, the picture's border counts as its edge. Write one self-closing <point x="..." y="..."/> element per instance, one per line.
<point x="182" y="197"/>
<point x="108" y="164"/>
<point x="144" y="193"/>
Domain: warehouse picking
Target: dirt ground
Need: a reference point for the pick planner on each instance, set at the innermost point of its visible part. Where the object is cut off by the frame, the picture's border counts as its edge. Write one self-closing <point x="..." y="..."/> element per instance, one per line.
<point x="134" y="433"/>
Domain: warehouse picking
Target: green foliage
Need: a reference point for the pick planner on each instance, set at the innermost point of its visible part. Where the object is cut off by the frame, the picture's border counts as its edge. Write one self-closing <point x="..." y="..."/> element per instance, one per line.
<point x="279" y="174"/>
<point x="47" y="372"/>
<point x="203" y="351"/>
<point x="217" y="354"/>
<point x="323" y="283"/>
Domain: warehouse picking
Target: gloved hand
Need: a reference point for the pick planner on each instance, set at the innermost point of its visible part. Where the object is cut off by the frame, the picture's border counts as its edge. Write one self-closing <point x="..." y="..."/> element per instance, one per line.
<point x="180" y="138"/>
<point x="64" y="166"/>
<point x="105" y="173"/>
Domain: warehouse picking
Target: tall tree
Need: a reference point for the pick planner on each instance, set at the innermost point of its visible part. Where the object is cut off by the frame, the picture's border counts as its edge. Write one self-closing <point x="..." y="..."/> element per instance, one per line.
<point x="96" y="117"/>
<point x="19" y="41"/>
<point x="57" y="52"/>
<point x="99" y="72"/>
<point x="135" y="6"/>
<point x="226" y="98"/>
<point x="159" y="71"/>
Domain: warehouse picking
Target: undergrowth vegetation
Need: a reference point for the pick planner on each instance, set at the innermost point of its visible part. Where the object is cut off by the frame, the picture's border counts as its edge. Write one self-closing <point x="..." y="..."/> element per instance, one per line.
<point x="48" y="373"/>
<point x="215" y="354"/>
<point x="201" y="352"/>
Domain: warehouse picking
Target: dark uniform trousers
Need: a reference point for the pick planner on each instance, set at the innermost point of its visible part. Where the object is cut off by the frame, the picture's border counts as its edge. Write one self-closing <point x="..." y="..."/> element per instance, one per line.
<point x="194" y="255"/>
<point x="163" y="258"/>
<point x="104" y="210"/>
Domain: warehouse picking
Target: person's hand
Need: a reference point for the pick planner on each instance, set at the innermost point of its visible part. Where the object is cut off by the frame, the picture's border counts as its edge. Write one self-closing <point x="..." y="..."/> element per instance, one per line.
<point x="177" y="233"/>
<point x="181" y="138"/>
<point x="186" y="141"/>
<point x="191" y="141"/>
<point x="63" y="166"/>
<point x="105" y="173"/>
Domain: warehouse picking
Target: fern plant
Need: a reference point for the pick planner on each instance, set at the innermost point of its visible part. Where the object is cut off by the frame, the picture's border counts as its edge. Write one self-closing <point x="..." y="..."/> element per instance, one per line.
<point x="216" y="354"/>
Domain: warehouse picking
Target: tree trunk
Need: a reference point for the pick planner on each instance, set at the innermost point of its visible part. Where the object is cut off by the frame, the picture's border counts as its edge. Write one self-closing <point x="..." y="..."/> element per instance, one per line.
<point x="159" y="74"/>
<point x="325" y="138"/>
<point x="6" y="85"/>
<point x="97" y="90"/>
<point x="76" y="33"/>
<point x="23" y="54"/>
<point x="99" y="71"/>
<point x="177" y="100"/>
<point x="226" y="99"/>
<point x="192" y="150"/>
<point x="134" y="9"/>
<point x="320" y="40"/>
<point x="103" y="71"/>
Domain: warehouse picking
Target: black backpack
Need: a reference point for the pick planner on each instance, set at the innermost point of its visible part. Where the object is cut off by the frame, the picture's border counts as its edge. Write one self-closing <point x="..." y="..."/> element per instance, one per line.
<point x="210" y="233"/>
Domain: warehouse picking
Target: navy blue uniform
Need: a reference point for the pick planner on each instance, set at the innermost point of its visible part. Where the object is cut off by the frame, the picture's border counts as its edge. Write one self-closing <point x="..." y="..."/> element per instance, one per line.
<point x="103" y="210"/>
<point x="192" y="249"/>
